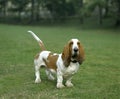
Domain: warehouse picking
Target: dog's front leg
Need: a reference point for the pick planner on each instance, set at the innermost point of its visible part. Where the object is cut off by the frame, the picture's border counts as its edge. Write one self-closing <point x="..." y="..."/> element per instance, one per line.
<point x="59" y="79"/>
<point x="68" y="82"/>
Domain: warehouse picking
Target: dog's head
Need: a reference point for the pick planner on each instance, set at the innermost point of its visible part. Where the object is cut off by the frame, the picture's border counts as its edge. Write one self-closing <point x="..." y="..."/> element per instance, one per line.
<point x="73" y="52"/>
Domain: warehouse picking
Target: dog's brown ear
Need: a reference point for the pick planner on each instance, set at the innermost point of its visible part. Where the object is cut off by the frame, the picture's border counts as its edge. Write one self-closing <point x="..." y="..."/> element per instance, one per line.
<point x="81" y="56"/>
<point x="66" y="54"/>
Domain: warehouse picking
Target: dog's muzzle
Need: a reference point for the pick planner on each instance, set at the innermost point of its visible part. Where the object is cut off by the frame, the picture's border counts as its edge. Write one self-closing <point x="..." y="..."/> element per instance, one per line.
<point x="75" y="52"/>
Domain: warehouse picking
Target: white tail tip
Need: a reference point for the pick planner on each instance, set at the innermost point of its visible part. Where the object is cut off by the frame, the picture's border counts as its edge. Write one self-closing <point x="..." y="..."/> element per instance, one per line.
<point x="30" y="31"/>
<point x="34" y="35"/>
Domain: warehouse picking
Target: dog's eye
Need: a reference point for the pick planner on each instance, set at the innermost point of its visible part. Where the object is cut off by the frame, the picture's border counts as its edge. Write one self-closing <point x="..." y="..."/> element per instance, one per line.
<point x="71" y="43"/>
<point x="78" y="43"/>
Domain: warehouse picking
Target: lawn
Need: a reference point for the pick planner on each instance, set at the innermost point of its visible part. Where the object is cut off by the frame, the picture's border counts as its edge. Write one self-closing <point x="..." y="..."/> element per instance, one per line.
<point x="98" y="77"/>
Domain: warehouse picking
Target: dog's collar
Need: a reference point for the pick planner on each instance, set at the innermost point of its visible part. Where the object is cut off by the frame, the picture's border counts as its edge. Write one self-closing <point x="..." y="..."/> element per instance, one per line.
<point x="74" y="61"/>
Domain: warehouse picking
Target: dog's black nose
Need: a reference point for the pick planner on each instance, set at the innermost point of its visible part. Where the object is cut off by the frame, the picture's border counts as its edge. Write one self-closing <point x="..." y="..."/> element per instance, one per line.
<point x="75" y="49"/>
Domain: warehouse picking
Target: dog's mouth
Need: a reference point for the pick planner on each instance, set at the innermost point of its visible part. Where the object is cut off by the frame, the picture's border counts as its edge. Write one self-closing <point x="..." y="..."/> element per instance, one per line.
<point x="75" y="52"/>
<point x="75" y="55"/>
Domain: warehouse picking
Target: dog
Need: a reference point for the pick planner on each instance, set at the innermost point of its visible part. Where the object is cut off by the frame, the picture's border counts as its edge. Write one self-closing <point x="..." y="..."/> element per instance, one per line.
<point x="64" y="65"/>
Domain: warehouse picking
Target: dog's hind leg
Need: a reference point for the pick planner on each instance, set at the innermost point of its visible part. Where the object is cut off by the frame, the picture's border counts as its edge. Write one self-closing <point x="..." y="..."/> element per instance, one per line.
<point x="37" y="74"/>
<point x="49" y="74"/>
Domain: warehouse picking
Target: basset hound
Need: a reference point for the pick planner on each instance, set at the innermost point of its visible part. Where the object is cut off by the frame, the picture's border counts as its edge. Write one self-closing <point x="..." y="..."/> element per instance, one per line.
<point x="64" y="65"/>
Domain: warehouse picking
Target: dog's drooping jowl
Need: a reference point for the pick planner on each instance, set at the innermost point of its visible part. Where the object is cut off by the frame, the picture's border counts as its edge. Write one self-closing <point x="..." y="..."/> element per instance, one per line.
<point x="64" y="65"/>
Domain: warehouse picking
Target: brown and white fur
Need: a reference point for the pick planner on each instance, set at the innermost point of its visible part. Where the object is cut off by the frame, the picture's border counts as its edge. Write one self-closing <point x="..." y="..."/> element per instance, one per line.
<point x="64" y="65"/>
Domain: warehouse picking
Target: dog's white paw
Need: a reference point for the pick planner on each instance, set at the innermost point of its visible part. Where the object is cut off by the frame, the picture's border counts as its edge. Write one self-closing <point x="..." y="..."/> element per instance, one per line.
<point x="37" y="80"/>
<point x="69" y="84"/>
<point x="60" y="85"/>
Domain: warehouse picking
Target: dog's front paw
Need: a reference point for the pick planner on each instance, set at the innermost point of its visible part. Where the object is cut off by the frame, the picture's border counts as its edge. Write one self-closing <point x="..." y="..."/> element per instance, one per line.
<point x="69" y="84"/>
<point x="60" y="85"/>
<point x="37" y="80"/>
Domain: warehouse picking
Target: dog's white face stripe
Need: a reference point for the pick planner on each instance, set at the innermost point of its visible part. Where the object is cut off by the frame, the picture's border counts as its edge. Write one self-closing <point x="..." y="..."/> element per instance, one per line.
<point x="75" y="43"/>
<point x="75" y="46"/>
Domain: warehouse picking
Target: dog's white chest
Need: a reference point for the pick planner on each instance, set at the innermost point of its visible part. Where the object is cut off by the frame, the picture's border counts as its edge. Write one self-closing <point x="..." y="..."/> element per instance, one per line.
<point x="71" y="70"/>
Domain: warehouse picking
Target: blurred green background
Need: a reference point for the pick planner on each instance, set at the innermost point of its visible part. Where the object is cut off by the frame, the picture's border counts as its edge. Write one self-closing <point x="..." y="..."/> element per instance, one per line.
<point x="60" y="11"/>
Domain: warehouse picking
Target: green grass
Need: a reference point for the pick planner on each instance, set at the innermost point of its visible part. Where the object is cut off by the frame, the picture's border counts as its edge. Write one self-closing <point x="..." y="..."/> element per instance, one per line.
<point x="98" y="77"/>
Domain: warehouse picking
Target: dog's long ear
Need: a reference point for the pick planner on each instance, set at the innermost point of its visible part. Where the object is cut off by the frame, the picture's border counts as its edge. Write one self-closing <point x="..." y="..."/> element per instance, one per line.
<point x="81" y="56"/>
<point x="66" y="54"/>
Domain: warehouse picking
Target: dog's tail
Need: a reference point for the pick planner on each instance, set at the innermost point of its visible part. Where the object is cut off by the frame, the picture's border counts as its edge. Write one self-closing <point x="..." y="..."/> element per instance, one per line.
<point x="38" y="40"/>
